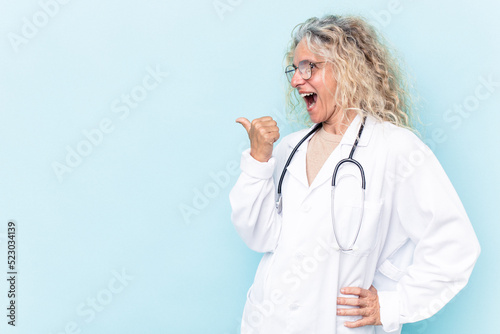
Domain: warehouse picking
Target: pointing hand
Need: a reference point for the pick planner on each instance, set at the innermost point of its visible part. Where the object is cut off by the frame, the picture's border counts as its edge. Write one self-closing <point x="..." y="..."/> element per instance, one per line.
<point x="263" y="132"/>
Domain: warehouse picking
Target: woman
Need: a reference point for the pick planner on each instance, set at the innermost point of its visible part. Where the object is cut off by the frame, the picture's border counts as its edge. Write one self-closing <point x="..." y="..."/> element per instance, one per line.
<point x="347" y="260"/>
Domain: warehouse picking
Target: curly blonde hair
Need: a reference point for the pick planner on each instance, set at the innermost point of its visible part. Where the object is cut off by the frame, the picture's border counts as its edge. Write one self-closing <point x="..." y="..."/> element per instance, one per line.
<point x="369" y="79"/>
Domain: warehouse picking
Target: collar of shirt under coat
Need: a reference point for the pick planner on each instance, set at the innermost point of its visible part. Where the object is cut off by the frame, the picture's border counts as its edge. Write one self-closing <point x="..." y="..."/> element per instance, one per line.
<point x="297" y="167"/>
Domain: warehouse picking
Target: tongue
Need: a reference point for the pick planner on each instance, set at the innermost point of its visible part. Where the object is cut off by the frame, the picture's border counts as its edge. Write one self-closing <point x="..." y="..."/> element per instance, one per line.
<point x="311" y="99"/>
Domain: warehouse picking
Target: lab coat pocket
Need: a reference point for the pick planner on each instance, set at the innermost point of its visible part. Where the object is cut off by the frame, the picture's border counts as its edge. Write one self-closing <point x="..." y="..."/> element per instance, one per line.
<point x="360" y="227"/>
<point x="257" y="315"/>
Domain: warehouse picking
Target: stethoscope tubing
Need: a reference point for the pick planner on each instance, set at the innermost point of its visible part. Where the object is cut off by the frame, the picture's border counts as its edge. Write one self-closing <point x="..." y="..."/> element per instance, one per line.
<point x="279" y="201"/>
<point x="350" y="159"/>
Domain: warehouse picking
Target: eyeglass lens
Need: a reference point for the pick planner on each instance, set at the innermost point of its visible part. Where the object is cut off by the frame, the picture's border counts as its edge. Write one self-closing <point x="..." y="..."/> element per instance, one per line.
<point x="304" y="70"/>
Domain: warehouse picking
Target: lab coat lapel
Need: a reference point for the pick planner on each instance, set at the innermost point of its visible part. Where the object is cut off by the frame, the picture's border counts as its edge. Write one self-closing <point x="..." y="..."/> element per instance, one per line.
<point x="343" y="149"/>
<point x="352" y="132"/>
<point x="297" y="167"/>
<point x="326" y="171"/>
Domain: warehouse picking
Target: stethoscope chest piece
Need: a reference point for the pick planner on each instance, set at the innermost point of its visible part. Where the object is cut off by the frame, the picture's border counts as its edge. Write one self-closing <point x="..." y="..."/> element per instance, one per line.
<point x="279" y="204"/>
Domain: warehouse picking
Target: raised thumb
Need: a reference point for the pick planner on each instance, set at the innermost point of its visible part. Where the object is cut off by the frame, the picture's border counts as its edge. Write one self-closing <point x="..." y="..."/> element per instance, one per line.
<point x="245" y="122"/>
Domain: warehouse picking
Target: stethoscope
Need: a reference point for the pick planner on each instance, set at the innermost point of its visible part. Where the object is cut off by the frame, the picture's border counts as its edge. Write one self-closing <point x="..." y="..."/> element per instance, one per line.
<point x="350" y="159"/>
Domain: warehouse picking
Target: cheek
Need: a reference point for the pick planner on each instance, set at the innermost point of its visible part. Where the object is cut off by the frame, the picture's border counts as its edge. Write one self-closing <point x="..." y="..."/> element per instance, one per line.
<point x="328" y="100"/>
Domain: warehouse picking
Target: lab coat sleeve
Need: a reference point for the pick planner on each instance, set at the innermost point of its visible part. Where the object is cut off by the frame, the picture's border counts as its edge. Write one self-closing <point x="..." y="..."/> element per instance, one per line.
<point x="428" y="209"/>
<point x="253" y="204"/>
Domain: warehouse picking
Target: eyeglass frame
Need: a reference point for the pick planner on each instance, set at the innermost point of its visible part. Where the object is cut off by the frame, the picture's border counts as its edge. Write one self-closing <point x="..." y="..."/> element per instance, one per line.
<point x="311" y="66"/>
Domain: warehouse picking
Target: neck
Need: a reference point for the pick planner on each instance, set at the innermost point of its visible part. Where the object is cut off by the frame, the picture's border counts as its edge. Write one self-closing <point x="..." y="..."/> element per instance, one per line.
<point x="338" y="126"/>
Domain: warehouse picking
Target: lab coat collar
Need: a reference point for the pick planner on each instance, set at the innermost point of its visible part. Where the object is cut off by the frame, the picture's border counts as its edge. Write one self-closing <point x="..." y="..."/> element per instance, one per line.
<point x="297" y="166"/>
<point x="348" y="138"/>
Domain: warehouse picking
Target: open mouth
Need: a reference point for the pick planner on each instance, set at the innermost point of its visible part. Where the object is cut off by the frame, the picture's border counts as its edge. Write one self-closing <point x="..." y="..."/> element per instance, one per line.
<point x="310" y="99"/>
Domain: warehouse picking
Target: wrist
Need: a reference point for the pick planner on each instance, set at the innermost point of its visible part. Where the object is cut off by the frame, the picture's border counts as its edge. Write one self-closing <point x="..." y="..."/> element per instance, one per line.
<point x="260" y="157"/>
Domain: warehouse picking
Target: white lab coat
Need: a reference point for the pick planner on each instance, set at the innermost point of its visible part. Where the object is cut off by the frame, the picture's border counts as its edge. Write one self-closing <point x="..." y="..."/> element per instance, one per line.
<point x="416" y="244"/>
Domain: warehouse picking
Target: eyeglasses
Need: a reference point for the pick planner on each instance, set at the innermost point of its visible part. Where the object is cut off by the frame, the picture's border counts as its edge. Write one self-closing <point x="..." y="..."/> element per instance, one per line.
<point x="305" y="69"/>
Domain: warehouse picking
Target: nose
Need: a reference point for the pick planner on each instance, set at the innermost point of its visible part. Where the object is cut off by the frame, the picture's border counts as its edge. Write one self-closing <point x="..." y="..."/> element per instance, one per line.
<point x="297" y="79"/>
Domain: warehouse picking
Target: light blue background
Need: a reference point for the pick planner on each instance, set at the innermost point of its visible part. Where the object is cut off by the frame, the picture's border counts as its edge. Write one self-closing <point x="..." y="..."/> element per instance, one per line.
<point x="120" y="209"/>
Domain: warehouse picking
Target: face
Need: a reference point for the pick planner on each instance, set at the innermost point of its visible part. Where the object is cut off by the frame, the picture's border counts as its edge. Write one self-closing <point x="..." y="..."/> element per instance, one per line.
<point x="321" y="104"/>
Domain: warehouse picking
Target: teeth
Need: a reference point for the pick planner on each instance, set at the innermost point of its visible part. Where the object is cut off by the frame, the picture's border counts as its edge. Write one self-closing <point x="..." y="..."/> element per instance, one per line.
<point x="306" y="94"/>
